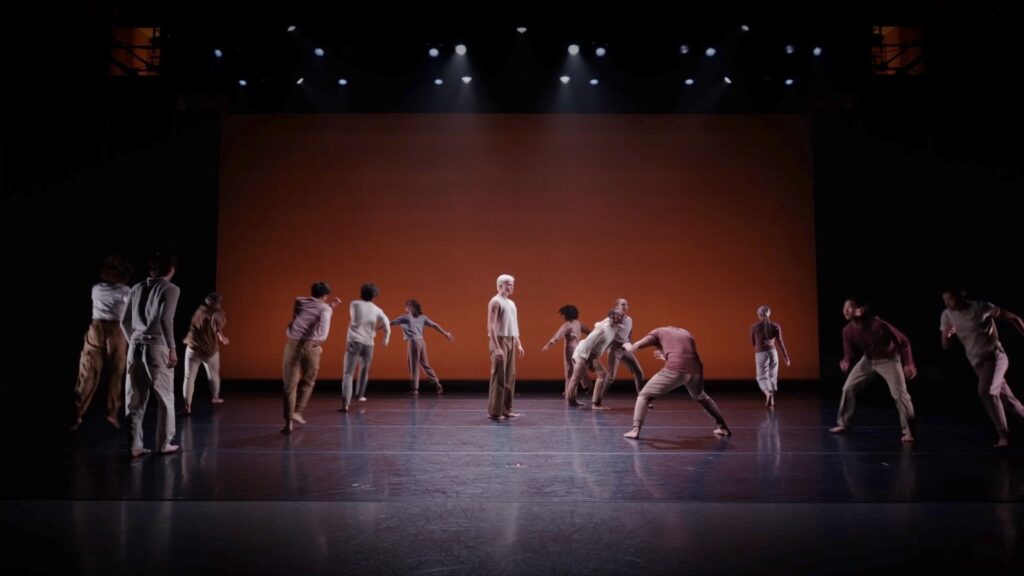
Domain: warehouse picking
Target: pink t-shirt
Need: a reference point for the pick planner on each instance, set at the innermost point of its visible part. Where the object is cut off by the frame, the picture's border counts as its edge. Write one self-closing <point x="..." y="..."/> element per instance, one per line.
<point x="679" y="348"/>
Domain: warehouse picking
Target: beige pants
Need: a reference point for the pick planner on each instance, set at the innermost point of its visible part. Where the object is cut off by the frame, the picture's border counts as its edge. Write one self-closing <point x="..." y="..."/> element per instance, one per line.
<point x="503" y="378"/>
<point x="301" y="365"/>
<point x="891" y="370"/>
<point x="104" y="348"/>
<point x="666" y="381"/>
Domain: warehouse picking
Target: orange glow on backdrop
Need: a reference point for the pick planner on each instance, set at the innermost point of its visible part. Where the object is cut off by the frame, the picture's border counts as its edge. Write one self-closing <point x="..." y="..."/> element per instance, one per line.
<point x="696" y="219"/>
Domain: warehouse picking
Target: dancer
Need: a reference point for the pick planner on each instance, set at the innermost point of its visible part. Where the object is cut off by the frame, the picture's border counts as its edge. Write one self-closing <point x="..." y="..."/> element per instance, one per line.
<point x="873" y="346"/>
<point x="973" y="323"/>
<point x="148" y="323"/>
<point x="104" y="347"/>
<point x="412" y="323"/>
<point x="570" y="330"/>
<point x="503" y="342"/>
<point x="587" y="356"/>
<point x="366" y="319"/>
<point x="765" y="335"/>
<point x="205" y="335"/>
<point x="683" y="367"/>
<point x="308" y="330"/>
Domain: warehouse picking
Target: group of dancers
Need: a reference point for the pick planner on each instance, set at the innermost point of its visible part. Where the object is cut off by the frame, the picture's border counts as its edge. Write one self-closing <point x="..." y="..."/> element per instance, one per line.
<point x="132" y="334"/>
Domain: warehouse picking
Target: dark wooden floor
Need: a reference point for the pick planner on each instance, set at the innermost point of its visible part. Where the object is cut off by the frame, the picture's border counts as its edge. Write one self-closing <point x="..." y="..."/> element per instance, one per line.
<point x="428" y="485"/>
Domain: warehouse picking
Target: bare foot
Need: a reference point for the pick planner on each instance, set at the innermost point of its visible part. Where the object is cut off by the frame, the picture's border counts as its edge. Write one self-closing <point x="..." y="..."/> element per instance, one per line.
<point x="78" y="422"/>
<point x="171" y="449"/>
<point x="771" y="400"/>
<point x="440" y="389"/>
<point x="650" y="405"/>
<point x="599" y="406"/>
<point x="1002" y="443"/>
<point x="414" y="392"/>
<point x="298" y="418"/>
<point x="838" y="429"/>
<point x="188" y="409"/>
<point x="113" y="422"/>
<point x="511" y="415"/>
<point x="288" y="427"/>
<point x="633" y="434"/>
<point x="362" y="398"/>
<point x="907" y="438"/>
<point x="136" y="452"/>
<point x="343" y="408"/>
<point x="495" y="418"/>
<point x="721" y="431"/>
<point x="767" y="400"/>
<point x="217" y="401"/>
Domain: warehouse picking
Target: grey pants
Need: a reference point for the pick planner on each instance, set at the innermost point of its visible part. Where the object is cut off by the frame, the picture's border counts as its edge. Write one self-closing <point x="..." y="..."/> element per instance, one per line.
<point x="356" y="352"/>
<point x="147" y="367"/>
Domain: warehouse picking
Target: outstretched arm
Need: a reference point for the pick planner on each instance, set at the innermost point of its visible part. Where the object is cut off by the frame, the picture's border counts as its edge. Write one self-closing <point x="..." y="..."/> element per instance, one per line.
<point x="1004" y="314"/>
<point x="437" y="327"/>
<point x="641" y="343"/>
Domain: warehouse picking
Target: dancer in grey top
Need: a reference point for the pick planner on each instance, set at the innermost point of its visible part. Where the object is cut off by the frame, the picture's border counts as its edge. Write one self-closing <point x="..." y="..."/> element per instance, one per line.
<point x="973" y="322"/>
<point x="412" y="323"/>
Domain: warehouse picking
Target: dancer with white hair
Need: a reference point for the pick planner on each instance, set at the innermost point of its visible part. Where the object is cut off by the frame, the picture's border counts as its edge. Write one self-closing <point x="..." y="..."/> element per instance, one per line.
<point x="503" y="342"/>
<point x="765" y="336"/>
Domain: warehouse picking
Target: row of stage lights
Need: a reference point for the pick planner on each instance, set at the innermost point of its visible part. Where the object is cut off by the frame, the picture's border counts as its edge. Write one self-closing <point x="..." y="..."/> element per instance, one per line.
<point x="573" y="50"/>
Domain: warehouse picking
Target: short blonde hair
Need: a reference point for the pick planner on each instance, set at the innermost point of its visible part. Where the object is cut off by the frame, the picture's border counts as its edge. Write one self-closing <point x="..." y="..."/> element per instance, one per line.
<point x="504" y="278"/>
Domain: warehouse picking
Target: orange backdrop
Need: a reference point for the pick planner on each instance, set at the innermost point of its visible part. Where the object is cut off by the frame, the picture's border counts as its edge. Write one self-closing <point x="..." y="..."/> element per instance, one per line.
<point x="696" y="220"/>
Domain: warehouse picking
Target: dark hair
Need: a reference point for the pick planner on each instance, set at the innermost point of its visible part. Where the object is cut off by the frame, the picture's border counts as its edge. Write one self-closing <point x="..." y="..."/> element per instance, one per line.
<point x="161" y="264"/>
<point x="213" y="300"/>
<point x="115" y="270"/>
<point x="368" y="291"/>
<point x="417" y="310"/>
<point x="613" y="312"/>
<point x="319" y="289"/>
<point x="956" y="291"/>
<point x="859" y="302"/>
<point x="570" y="312"/>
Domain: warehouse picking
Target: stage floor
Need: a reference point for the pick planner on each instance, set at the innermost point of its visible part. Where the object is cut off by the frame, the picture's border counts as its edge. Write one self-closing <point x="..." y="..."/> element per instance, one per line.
<point x="428" y="485"/>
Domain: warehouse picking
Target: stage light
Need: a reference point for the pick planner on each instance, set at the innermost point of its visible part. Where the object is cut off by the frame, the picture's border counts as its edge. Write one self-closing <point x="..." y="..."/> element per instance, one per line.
<point x="710" y="52"/>
<point x="563" y="79"/>
<point x="460" y="49"/>
<point x="434" y="52"/>
<point x="319" y="52"/>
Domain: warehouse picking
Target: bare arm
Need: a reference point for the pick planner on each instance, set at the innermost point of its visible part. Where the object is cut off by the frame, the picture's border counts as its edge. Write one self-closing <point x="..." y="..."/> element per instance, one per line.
<point x="1004" y="314"/>
<point x="437" y="327"/>
<point x="559" y="334"/>
<point x="782" y="346"/>
<point x="644" y="342"/>
<point x="492" y="327"/>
